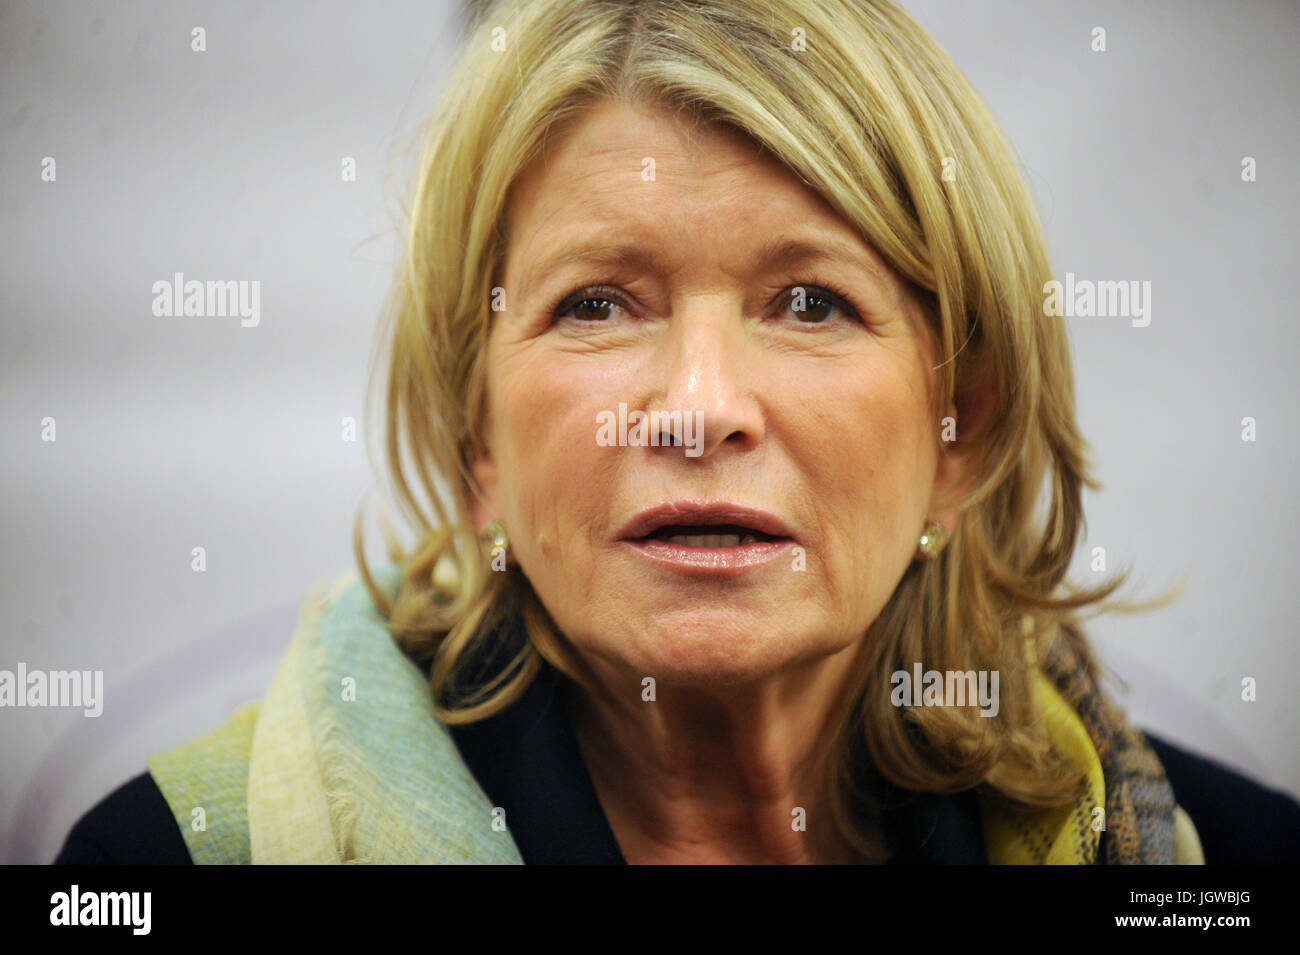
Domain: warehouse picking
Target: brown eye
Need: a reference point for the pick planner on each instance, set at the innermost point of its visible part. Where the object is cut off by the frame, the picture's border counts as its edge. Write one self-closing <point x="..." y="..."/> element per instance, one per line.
<point x="590" y="305"/>
<point x="595" y="309"/>
<point x="815" y="309"/>
<point x="818" y="305"/>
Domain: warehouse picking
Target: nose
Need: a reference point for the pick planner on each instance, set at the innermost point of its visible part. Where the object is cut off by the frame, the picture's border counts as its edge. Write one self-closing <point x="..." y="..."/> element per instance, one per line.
<point x="704" y="362"/>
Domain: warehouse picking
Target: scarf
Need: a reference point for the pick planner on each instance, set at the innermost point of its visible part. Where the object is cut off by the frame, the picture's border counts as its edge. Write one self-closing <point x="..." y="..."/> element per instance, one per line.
<point x="1126" y="793"/>
<point x="343" y="761"/>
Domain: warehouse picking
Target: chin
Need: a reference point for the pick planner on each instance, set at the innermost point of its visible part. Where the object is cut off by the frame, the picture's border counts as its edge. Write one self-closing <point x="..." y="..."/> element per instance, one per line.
<point x="713" y="650"/>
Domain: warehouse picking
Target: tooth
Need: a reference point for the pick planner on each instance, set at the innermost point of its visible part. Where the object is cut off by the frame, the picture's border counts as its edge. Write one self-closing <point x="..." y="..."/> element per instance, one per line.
<point x="695" y="540"/>
<point x="748" y="539"/>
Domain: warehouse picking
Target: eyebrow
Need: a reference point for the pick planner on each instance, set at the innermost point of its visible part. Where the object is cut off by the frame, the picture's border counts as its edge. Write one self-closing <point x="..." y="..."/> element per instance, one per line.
<point x="781" y="252"/>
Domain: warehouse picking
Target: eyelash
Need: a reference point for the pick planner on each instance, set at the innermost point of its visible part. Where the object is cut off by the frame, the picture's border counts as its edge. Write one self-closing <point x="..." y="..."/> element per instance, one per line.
<point x="815" y="290"/>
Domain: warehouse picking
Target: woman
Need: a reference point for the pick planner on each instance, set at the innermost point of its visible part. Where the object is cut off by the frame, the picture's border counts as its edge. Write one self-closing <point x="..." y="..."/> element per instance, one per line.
<point x="719" y="355"/>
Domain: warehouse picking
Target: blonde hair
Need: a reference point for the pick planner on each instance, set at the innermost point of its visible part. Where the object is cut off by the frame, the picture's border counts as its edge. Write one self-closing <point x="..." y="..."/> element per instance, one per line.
<point x="868" y="111"/>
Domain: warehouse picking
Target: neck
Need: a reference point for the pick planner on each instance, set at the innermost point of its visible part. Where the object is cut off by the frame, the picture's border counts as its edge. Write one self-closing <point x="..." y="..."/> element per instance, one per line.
<point x="719" y="775"/>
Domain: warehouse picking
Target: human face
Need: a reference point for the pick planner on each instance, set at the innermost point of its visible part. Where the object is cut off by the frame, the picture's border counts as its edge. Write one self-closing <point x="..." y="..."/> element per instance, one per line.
<point x="816" y="414"/>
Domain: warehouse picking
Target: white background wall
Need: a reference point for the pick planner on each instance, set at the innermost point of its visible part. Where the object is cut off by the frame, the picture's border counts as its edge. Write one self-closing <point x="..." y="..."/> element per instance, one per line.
<point x="174" y="433"/>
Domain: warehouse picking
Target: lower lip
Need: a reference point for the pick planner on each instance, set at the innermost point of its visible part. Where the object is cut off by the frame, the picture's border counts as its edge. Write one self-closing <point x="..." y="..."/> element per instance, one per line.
<point x="710" y="560"/>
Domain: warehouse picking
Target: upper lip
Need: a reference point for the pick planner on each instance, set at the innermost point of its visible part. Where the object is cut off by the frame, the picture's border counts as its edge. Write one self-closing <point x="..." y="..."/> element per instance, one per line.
<point x="697" y="512"/>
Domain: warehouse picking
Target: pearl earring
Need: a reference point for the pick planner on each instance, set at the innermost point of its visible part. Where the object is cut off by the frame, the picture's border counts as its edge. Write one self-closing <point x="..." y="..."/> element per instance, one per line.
<point x="494" y="535"/>
<point x="933" y="539"/>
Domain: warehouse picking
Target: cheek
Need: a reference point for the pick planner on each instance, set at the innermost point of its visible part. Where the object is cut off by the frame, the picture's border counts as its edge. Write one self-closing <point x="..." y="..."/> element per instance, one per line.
<point x="551" y="463"/>
<point x="875" y="444"/>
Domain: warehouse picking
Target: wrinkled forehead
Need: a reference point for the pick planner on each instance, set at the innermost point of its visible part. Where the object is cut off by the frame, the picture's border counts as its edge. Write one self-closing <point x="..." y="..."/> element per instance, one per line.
<point x="590" y="161"/>
<point x="637" y="173"/>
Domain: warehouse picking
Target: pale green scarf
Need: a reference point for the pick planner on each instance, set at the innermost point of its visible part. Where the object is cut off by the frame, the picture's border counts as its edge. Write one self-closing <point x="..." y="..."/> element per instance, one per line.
<point x="343" y="759"/>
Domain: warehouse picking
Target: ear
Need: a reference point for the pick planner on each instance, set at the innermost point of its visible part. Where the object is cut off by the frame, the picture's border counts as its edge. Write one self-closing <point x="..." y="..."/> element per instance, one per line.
<point x="960" y="434"/>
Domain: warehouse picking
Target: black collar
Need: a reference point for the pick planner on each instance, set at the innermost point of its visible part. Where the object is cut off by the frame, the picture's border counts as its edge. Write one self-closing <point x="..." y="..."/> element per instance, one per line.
<point x="526" y="758"/>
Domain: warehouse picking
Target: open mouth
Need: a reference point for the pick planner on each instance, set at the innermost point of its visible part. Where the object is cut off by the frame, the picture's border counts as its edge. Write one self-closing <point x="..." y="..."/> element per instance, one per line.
<point x="721" y="539"/>
<point x="709" y="535"/>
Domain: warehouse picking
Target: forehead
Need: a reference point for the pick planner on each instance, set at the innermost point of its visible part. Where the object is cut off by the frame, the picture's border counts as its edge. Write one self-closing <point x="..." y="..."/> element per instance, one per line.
<point x="595" y="177"/>
<point x="612" y="136"/>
